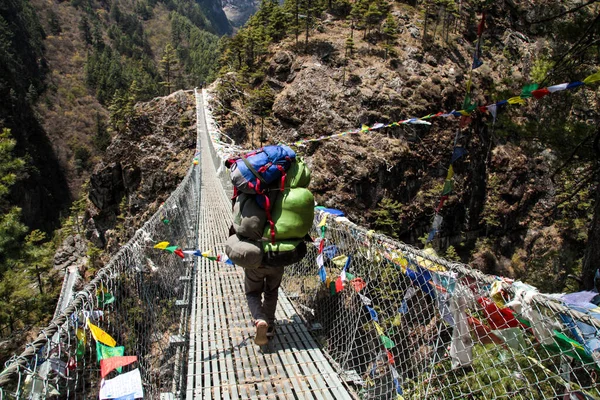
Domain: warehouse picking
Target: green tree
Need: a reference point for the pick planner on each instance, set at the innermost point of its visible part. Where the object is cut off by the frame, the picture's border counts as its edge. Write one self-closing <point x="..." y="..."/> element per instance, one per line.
<point x="349" y="47"/>
<point x="390" y="34"/>
<point x="372" y="18"/>
<point x="261" y="103"/>
<point x="85" y="30"/>
<point x="387" y="216"/>
<point x="169" y="65"/>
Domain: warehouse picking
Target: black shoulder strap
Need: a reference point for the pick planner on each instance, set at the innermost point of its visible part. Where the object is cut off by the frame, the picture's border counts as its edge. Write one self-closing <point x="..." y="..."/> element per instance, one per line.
<point x="251" y="168"/>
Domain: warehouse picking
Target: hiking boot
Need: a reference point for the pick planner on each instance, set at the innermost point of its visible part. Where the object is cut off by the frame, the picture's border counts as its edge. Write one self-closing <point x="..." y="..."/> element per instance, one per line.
<point x="271" y="330"/>
<point x="261" y="333"/>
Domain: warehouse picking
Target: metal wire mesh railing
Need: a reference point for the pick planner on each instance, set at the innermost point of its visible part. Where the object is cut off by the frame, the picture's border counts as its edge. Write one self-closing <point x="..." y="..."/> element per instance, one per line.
<point x="397" y="322"/>
<point x="402" y="322"/>
<point x="140" y="299"/>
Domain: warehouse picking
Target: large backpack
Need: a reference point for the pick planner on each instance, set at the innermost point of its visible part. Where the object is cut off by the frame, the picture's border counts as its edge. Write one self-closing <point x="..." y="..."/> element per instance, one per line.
<point x="259" y="173"/>
<point x="254" y="172"/>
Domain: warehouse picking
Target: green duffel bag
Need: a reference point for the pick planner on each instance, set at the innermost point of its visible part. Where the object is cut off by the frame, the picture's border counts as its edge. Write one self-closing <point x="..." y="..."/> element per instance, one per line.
<point x="298" y="175"/>
<point x="292" y="214"/>
<point x="244" y="252"/>
<point x="283" y="253"/>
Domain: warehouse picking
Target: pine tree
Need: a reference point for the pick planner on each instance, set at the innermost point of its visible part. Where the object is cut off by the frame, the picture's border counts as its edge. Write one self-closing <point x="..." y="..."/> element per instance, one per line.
<point x="372" y="18"/>
<point x="261" y="103"/>
<point x="85" y="31"/>
<point x="390" y="33"/>
<point x="349" y="47"/>
<point x="169" y="65"/>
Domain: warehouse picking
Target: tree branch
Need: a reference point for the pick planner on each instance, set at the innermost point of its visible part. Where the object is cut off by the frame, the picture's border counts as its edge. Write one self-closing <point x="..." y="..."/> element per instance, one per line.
<point x="579" y="7"/>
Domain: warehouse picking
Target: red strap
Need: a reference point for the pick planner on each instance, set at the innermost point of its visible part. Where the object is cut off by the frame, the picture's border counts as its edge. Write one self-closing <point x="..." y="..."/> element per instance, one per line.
<point x="283" y="175"/>
<point x="235" y="195"/>
<point x="271" y="223"/>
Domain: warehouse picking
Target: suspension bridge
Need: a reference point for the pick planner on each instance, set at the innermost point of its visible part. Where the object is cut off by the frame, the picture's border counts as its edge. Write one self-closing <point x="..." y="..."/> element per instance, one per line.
<point x="383" y="320"/>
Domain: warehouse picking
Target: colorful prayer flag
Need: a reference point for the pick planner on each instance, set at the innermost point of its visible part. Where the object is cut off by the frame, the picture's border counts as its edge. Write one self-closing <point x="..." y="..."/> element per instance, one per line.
<point x="100" y="336"/>
<point x="516" y="100"/>
<point x="171" y="249"/>
<point x="538" y="94"/>
<point x="128" y="384"/>
<point x="592" y="78"/>
<point x="373" y="313"/>
<point x="161" y="245"/>
<point x="557" y="88"/>
<point x="103" y="351"/>
<point x="109" y="364"/>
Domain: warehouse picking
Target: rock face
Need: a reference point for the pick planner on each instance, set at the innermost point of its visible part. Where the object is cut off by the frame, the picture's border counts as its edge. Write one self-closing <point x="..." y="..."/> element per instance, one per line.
<point x="71" y="252"/>
<point x="502" y="190"/>
<point x="143" y="165"/>
<point x="239" y="11"/>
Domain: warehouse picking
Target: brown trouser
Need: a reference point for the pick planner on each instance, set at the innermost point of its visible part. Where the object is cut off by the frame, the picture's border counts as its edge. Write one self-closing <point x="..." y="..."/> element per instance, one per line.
<point x="262" y="281"/>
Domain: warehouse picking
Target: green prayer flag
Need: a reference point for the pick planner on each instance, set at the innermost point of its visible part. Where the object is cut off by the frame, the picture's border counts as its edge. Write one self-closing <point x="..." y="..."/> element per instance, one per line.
<point x="349" y="276"/>
<point x="467" y="101"/>
<point x="470" y="108"/>
<point x="592" y="78"/>
<point x="105" y="299"/>
<point x="171" y="249"/>
<point x="80" y="350"/>
<point x="527" y="89"/>
<point x="103" y="351"/>
<point x="569" y="347"/>
<point x="387" y="342"/>
<point x="448" y="187"/>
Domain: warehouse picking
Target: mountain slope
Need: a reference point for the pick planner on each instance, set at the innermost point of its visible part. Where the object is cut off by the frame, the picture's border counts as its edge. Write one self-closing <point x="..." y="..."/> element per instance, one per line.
<point x="511" y="203"/>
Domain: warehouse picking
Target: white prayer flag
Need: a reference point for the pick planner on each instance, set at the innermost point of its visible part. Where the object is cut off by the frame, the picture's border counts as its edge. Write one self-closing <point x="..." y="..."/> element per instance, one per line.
<point x="123" y="385"/>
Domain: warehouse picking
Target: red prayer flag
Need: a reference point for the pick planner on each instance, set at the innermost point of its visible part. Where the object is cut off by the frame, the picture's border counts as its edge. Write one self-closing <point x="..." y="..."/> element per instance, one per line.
<point x="498" y="318"/>
<point x="358" y="284"/>
<point x="339" y="284"/>
<point x="483" y="333"/>
<point x="390" y="357"/>
<point x="442" y="200"/>
<point x="179" y="252"/>
<point x="108" y="364"/>
<point x="538" y="94"/>
<point x="464" y="121"/>
<point x="321" y="245"/>
<point x="481" y="26"/>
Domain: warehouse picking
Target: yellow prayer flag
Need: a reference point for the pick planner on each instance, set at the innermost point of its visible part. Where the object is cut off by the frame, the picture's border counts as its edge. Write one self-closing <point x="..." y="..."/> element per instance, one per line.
<point x="364" y="128"/>
<point x="592" y="78"/>
<point x="101" y="336"/>
<point x="323" y="221"/>
<point x="80" y="333"/>
<point x="450" y="173"/>
<point x="161" y="245"/>
<point x="464" y="112"/>
<point x="205" y="253"/>
<point x="379" y="329"/>
<point x="496" y="293"/>
<point x="340" y="261"/>
<point x="430" y="265"/>
<point x="516" y="100"/>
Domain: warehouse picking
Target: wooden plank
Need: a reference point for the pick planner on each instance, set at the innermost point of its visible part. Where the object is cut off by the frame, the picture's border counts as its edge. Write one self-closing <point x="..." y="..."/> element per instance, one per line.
<point x="316" y="358"/>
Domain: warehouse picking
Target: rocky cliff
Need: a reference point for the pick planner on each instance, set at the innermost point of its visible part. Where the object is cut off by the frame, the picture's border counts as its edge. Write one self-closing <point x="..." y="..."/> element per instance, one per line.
<point x="504" y="213"/>
<point x="142" y="166"/>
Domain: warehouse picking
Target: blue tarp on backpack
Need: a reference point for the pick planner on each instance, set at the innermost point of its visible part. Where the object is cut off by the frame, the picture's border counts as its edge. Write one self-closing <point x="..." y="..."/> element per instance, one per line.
<point x="252" y="172"/>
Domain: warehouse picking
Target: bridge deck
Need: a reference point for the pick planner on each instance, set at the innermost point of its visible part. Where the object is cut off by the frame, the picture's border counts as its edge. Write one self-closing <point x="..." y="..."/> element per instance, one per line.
<point x="224" y="362"/>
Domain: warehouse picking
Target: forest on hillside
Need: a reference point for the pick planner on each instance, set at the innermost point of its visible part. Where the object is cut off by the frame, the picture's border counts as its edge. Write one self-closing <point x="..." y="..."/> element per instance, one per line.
<point x="521" y="198"/>
<point x="71" y="73"/>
